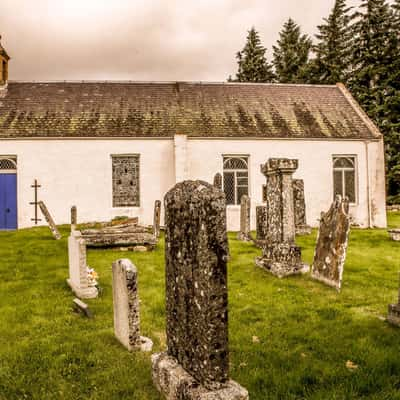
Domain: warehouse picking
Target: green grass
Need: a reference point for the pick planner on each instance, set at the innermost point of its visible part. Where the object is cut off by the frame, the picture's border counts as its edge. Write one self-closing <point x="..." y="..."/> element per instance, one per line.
<point x="306" y="331"/>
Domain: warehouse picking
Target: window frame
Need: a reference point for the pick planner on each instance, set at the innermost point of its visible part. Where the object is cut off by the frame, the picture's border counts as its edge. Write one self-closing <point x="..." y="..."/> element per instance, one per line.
<point x="353" y="158"/>
<point x="244" y="157"/>
<point x="133" y="155"/>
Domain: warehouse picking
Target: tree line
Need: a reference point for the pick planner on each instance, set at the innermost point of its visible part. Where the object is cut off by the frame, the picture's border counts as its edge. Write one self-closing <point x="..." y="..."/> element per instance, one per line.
<point x="359" y="47"/>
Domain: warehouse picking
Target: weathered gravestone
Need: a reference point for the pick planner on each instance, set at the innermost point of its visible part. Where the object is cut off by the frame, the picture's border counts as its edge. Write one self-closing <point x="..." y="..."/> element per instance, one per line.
<point x="156" y="219"/>
<point x="330" y="251"/>
<point x="196" y="365"/>
<point x="218" y="181"/>
<point x="126" y="306"/>
<point x="74" y="218"/>
<point x="78" y="271"/>
<point x="394" y="234"/>
<point x="300" y="208"/>
<point x="394" y="312"/>
<point x="244" y="233"/>
<point x="261" y="223"/>
<point x="49" y="220"/>
<point x="280" y="255"/>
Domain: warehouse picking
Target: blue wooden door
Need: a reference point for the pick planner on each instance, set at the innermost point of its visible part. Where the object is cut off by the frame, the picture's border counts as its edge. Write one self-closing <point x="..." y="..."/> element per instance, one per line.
<point x="8" y="201"/>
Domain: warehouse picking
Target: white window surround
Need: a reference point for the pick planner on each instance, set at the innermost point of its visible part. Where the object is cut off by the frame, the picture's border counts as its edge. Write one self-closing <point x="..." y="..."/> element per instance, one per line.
<point x="350" y="163"/>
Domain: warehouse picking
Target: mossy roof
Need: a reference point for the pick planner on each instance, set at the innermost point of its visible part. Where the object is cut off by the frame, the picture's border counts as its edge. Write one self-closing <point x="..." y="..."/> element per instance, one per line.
<point x="141" y="109"/>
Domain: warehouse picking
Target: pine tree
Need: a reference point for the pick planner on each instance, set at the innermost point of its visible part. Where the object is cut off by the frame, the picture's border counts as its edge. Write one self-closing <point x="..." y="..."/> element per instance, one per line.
<point x="291" y="54"/>
<point x="252" y="63"/>
<point x="333" y="52"/>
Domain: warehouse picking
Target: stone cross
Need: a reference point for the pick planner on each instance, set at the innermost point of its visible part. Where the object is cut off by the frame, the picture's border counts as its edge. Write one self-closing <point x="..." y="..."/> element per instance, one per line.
<point x="244" y="233"/>
<point x="78" y="271"/>
<point x="330" y="251"/>
<point x="300" y="208"/>
<point x="74" y="218"/>
<point x="126" y="306"/>
<point x="394" y="312"/>
<point x="156" y="219"/>
<point x="196" y="364"/>
<point x="50" y="221"/>
<point x="218" y="181"/>
<point x="280" y="256"/>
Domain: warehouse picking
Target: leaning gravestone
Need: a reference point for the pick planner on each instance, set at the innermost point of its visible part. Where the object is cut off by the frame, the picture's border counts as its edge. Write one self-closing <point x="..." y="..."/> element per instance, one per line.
<point x="244" y="233"/>
<point x="300" y="208"/>
<point x="196" y="364"/>
<point x="330" y="251"/>
<point x="156" y="219"/>
<point x="280" y="255"/>
<point x="218" y="181"/>
<point x="74" y="218"/>
<point x="78" y="270"/>
<point x="126" y="306"/>
<point x="49" y="220"/>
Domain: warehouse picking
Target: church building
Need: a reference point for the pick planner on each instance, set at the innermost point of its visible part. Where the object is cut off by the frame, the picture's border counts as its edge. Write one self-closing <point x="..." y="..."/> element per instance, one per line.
<point x="113" y="148"/>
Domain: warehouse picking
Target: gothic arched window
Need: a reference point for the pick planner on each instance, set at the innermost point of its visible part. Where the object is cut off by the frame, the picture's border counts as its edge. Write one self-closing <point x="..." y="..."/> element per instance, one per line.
<point x="236" y="178"/>
<point x="344" y="177"/>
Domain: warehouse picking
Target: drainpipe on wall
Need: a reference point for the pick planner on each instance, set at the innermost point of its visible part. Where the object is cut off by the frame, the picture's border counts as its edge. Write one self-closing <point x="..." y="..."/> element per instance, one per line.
<point x="368" y="185"/>
<point x="180" y="153"/>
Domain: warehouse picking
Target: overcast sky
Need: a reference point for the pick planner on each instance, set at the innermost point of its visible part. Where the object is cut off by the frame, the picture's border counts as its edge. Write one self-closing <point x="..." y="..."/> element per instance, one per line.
<point x="142" y="40"/>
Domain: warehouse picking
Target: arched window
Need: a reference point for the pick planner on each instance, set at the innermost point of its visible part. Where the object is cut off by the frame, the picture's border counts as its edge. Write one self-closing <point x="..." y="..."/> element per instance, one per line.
<point x="344" y="177"/>
<point x="8" y="164"/>
<point x="236" y="178"/>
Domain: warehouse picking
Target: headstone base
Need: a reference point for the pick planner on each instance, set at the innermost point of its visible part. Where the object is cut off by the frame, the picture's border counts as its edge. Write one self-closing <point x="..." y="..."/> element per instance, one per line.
<point x="303" y="230"/>
<point x="243" y="237"/>
<point x="330" y="282"/>
<point x="394" y="314"/>
<point x="90" y="292"/>
<point x="176" y="384"/>
<point x="394" y="234"/>
<point x="282" y="259"/>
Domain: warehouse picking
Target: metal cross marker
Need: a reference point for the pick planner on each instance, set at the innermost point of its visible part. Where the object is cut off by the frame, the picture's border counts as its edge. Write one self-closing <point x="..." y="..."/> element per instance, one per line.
<point x="35" y="203"/>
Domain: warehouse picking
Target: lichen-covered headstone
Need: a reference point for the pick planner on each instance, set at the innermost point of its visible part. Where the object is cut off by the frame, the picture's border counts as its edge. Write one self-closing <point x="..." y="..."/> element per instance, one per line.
<point x="394" y="312"/>
<point x="126" y="306"/>
<point x="196" y="364"/>
<point x="300" y="208"/>
<point x="280" y="255"/>
<point x="49" y="220"/>
<point x="244" y="233"/>
<point x="78" y="270"/>
<point x="218" y="181"/>
<point x="330" y="251"/>
<point x="156" y="219"/>
<point x="261" y="223"/>
<point x="74" y="218"/>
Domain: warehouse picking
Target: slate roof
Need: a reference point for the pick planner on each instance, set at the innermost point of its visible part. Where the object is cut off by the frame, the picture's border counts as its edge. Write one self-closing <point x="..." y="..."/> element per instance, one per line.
<point x="140" y="109"/>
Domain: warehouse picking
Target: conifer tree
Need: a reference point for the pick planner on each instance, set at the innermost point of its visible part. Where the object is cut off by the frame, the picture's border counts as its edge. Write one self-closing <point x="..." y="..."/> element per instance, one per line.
<point x="252" y="62"/>
<point x="291" y="54"/>
<point x="334" y="48"/>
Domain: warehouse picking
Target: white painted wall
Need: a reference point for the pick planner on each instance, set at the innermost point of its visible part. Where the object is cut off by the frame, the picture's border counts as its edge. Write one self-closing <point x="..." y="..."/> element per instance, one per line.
<point x="79" y="172"/>
<point x="315" y="167"/>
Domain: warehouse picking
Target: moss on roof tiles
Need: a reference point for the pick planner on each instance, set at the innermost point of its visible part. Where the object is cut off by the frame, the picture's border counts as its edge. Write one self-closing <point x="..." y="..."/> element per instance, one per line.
<point x="128" y="109"/>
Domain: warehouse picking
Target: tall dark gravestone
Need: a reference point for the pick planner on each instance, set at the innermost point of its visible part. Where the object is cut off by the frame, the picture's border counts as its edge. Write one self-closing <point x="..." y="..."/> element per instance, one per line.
<point x="218" y="181"/>
<point x="300" y="208"/>
<point x="196" y="365"/>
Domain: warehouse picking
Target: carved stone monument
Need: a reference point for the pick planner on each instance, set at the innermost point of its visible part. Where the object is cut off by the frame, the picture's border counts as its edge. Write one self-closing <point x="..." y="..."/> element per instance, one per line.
<point x="218" y="181"/>
<point x="49" y="220"/>
<point x="244" y="234"/>
<point x="280" y="255"/>
<point x="156" y="219"/>
<point x="74" y="218"/>
<point x="330" y="251"/>
<point x="300" y="208"/>
<point x="126" y="306"/>
<point x="78" y="270"/>
<point x="196" y="364"/>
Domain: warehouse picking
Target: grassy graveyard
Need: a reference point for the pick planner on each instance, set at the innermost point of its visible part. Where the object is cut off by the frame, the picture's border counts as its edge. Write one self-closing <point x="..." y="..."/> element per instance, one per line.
<point x="289" y="339"/>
